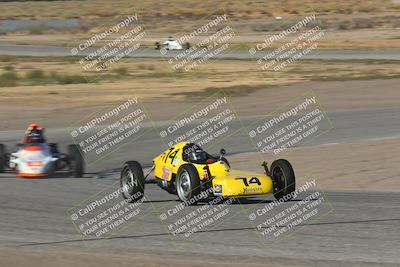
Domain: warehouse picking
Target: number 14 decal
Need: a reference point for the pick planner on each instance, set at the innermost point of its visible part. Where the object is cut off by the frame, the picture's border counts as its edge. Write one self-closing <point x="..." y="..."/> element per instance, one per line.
<point x="170" y="155"/>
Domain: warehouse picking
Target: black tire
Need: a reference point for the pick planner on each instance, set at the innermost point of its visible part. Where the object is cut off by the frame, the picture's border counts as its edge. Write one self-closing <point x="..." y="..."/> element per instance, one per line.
<point x="3" y="158"/>
<point x="188" y="184"/>
<point x="132" y="181"/>
<point x="283" y="175"/>
<point x="76" y="163"/>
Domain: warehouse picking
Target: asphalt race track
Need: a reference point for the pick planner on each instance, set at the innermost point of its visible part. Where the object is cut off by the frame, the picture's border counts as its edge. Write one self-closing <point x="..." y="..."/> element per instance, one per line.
<point x="42" y="50"/>
<point x="35" y="212"/>
<point x="372" y="218"/>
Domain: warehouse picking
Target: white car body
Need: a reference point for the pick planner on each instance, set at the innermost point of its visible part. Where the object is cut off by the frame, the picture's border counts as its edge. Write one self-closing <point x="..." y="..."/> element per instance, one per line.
<point x="33" y="161"/>
<point x="172" y="44"/>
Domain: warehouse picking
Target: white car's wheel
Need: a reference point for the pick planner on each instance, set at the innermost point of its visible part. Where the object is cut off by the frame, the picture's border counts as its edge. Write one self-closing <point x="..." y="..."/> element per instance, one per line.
<point x="76" y="162"/>
<point x="3" y="157"/>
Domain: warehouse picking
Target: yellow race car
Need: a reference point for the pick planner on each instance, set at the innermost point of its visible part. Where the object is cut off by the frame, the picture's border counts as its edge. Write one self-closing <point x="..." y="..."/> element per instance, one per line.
<point x="191" y="173"/>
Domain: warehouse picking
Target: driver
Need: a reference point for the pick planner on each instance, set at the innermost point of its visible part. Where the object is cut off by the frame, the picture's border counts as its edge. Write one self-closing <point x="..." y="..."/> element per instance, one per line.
<point x="196" y="154"/>
<point x="34" y="134"/>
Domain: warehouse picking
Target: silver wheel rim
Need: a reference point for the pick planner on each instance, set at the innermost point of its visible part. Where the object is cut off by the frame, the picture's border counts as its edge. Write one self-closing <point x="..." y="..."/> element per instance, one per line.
<point x="127" y="181"/>
<point x="184" y="186"/>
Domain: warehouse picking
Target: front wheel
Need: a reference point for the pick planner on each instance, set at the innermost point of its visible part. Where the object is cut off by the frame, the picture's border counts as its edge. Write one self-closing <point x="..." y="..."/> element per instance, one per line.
<point x="188" y="184"/>
<point x="76" y="162"/>
<point x="132" y="181"/>
<point x="284" y="179"/>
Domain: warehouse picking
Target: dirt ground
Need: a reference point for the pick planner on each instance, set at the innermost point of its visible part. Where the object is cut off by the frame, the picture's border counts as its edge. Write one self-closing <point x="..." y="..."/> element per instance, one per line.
<point x="368" y="166"/>
<point x="350" y="24"/>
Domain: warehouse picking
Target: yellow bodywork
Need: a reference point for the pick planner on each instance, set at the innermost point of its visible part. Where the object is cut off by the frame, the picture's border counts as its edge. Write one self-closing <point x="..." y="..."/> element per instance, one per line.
<point x="239" y="183"/>
<point x="225" y="182"/>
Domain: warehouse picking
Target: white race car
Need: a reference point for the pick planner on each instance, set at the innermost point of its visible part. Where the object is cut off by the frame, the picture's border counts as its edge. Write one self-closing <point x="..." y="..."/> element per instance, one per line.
<point x="42" y="159"/>
<point x="172" y="44"/>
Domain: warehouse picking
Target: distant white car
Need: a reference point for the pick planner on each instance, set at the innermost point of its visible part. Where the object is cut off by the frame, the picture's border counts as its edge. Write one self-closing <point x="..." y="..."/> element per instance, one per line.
<point x="171" y="44"/>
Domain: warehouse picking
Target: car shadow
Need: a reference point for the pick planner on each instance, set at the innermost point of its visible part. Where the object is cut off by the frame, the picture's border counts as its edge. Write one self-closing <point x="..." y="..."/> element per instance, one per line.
<point x="235" y="201"/>
<point x="246" y="201"/>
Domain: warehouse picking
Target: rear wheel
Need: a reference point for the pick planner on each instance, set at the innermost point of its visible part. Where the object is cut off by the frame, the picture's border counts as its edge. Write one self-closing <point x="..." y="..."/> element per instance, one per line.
<point x="76" y="163"/>
<point x="3" y="158"/>
<point x="284" y="179"/>
<point x="132" y="181"/>
<point x="188" y="184"/>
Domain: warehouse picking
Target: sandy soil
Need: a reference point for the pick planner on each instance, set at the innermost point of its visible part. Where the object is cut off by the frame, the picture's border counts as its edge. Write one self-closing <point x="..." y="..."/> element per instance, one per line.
<point x="352" y="24"/>
<point x="371" y="165"/>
